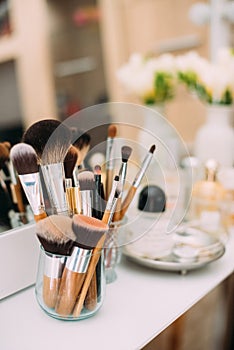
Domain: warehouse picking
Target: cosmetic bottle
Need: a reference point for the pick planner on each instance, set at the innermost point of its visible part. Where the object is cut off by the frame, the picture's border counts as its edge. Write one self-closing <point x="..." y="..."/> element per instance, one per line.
<point x="208" y="195"/>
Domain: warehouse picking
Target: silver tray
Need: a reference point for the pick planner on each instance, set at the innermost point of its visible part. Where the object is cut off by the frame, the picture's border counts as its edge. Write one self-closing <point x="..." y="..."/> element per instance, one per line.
<point x="207" y="253"/>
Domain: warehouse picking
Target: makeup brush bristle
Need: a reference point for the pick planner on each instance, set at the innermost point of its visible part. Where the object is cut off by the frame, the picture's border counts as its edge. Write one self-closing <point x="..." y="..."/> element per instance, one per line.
<point x="152" y="149"/>
<point x="82" y="139"/>
<point x="57" y="145"/>
<point x="4" y="155"/>
<point x="24" y="159"/>
<point x="55" y="234"/>
<point x="112" y="131"/>
<point x="126" y="152"/>
<point x="39" y="133"/>
<point x="86" y="180"/>
<point x="70" y="162"/>
<point x="88" y="230"/>
<point x="97" y="170"/>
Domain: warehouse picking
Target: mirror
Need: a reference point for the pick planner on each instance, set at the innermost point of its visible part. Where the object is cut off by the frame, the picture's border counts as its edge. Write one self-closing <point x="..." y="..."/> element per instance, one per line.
<point x="69" y="57"/>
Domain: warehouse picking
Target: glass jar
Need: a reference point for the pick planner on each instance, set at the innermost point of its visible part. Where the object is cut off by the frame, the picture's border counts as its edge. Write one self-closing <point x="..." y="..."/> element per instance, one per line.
<point x="60" y="284"/>
<point x="113" y="248"/>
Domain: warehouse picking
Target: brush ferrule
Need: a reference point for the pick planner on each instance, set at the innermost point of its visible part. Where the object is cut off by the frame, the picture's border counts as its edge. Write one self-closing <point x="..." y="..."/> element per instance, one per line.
<point x="12" y="173"/>
<point x="141" y="172"/>
<point x="86" y="202"/>
<point x="111" y="196"/>
<point x="79" y="260"/>
<point x="122" y="176"/>
<point x="54" y="178"/>
<point x="112" y="210"/>
<point x="31" y="187"/>
<point x="110" y="154"/>
<point x="75" y="177"/>
<point x="54" y="266"/>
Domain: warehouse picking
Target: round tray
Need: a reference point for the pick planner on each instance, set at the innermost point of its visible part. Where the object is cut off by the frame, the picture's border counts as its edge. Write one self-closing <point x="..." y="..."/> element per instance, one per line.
<point x="207" y="249"/>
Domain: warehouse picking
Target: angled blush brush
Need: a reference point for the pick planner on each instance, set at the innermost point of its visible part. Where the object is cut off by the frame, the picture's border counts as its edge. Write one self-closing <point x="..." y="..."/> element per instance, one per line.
<point x="25" y="161"/>
<point x="86" y="182"/>
<point x="56" y="237"/>
<point x="125" y="153"/>
<point x="88" y="232"/>
<point x="110" y="162"/>
<point x="52" y="167"/>
<point x="97" y="235"/>
<point x="131" y="193"/>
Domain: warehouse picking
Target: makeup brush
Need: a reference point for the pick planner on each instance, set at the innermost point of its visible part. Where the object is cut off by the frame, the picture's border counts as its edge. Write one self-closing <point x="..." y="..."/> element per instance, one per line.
<point x="112" y="131"/>
<point x="131" y="193"/>
<point x="109" y="205"/>
<point x="82" y="145"/>
<point x="25" y="161"/>
<point x="125" y="152"/>
<point x="56" y="237"/>
<point x="52" y="167"/>
<point x="96" y="236"/>
<point x="98" y="193"/>
<point x="69" y="166"/>
<point x="86" y="182"/>
<point x="88" y="232"/>
<point x="16" y="190"/>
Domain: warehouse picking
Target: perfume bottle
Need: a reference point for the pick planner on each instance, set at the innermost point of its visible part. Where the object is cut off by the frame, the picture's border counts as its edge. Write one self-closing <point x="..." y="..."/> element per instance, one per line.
<point x="207" y="198"/>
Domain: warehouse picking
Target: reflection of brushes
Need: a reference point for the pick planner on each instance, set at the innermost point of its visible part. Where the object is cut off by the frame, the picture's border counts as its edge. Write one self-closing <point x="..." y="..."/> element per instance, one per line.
<point x="98" y="195"/>
<point x="112" y="130"/>
<point x="24" y="159"/>
<point x="131" y="193"/>
<point x="52" y="168"/>
<point x="86" y="181"/>
<point x="56" y="236"/>
<point x="96" y="237"/>
<point x="71" y="193"/>
<point x="15" y="186"/>
<point x="88" y="232"/>
<point x="109" y="205"/>
<point x="125" y="152"/>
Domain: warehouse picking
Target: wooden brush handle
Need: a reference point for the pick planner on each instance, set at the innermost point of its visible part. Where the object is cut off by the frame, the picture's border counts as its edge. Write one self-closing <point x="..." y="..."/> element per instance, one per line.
<point x="117" y="214"/>
<point x="127" y="201"/>
<point x="91" y="297"/>
<point x="19" y="198"/>
<point x="41" y="216"/>
<point x="50" y="290"/>
<point x="91" y="269"/>
<point x="70" y="286"/>
<point x="106" y="216"/>
<point x="109" y="179"/>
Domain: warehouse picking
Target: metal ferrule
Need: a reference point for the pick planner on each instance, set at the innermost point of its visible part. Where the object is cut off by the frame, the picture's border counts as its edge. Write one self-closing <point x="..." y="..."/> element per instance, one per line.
<point x="122" y="177"/>
<point x="68" y="183"/>
<point x="86" y="202"/>
<point x="112" y="210"/>
<point x="31" y="186"/>
<point x="54" y="266"/>
<point x="109" y="154"/>
<point x="54" y="177"/>
<point x="111" y="196"/>
<point x="141" y="172"/>
<point x="75" y="177"/>
<point x="79" y="260"/>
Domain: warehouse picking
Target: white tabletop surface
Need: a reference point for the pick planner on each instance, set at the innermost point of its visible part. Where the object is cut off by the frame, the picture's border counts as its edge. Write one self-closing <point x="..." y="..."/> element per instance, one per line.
<point x="138" y="306"/>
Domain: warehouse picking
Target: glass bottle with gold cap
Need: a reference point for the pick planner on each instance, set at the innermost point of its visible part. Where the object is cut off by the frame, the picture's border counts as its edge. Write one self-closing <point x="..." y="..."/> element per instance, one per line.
<point x="207" y="197"/>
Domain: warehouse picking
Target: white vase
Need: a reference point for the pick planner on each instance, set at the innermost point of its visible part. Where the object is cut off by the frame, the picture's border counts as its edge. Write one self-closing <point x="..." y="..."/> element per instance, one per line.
<point x="215" y="139"/>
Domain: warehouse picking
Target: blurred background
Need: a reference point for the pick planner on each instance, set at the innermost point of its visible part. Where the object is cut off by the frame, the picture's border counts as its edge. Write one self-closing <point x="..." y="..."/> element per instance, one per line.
<point x="57" y="57"/>
<point x="60" y="56"/>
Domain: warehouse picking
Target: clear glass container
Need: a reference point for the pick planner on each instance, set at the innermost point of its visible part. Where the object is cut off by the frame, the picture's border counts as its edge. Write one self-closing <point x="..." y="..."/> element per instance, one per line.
<point x="113" y="249"/>
<point x="61" y="281"/>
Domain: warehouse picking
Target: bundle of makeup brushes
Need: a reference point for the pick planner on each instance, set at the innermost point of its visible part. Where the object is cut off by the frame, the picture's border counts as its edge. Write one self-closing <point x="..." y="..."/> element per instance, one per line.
<point x="72" y="207"/>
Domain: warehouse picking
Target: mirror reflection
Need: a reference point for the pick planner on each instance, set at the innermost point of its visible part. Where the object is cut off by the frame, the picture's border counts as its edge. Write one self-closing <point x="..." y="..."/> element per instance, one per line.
<point x="58" y="57"/>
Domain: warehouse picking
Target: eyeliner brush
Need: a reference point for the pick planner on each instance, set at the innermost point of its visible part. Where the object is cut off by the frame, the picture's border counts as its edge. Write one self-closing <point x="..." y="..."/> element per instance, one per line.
<point x="126" y="153"/>
<point x="98" y="195"/>
<point x="131" y="193"/>
<point x="112" y="131"/>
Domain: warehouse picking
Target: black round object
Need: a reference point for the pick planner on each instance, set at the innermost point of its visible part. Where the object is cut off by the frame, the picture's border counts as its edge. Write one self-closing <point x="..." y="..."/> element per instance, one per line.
<point x="152" y="199"/>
